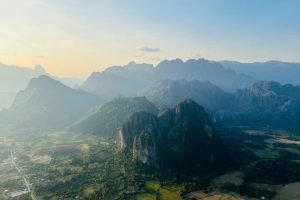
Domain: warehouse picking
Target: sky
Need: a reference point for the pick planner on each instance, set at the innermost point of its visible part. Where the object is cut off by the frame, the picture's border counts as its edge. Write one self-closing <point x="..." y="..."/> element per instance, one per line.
<point x="77" y="37"/>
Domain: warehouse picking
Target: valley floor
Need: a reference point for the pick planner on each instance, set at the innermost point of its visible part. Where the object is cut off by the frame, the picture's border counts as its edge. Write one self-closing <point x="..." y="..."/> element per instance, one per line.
<point x="63" y="165"/>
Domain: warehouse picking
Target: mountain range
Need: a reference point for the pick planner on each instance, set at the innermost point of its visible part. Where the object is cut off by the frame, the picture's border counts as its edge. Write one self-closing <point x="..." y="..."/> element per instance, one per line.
<point x="229" y="97"/>
<point x="266" y="103"/>
<point x="129" y="79"/>
<point x="230" y="76"/>
<point x="47" y="103"/>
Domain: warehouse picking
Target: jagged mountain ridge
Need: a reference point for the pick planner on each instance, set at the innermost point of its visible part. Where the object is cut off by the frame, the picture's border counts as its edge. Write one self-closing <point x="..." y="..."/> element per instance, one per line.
<point x="203" y="70"/>
<point x="129" y="79"/>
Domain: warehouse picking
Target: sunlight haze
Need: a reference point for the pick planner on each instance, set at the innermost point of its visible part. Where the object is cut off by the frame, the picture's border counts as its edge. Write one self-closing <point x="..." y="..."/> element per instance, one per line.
<point x="72" y="38"/>
<point x="149" y="99"/>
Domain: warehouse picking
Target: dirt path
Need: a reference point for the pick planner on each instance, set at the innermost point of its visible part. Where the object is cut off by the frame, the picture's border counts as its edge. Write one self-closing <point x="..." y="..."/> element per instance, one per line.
<point x="22" y="174"/>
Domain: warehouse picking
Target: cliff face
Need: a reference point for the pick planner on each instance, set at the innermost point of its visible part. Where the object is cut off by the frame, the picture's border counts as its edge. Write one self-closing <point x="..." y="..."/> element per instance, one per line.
<point x="139" y="136"/>
<point x="178" y="138"/>
<point x="189" y="140"/>
<point x="185" y="126"/>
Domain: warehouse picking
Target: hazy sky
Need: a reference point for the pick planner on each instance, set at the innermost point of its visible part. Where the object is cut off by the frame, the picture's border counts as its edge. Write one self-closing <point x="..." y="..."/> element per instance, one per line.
<point x="76" y="37"/>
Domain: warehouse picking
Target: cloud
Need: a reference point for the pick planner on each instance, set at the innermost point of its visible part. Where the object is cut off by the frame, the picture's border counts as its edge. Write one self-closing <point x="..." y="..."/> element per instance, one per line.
<point x="149" y="49"/>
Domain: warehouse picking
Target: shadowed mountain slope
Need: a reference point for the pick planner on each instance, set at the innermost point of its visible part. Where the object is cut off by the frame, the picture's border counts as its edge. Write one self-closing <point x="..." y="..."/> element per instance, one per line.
<point x="106" y="119"/>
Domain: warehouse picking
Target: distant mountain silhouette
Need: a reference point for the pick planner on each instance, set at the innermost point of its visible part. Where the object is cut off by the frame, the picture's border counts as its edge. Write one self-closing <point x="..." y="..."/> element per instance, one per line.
<point x="203" y="70"/>
<point x="129" y="79"/>
<point x="118" y="81"/>
<point x="283" y="72"/>
<point x="15" y="78"/>
<point x="47" y="103"/>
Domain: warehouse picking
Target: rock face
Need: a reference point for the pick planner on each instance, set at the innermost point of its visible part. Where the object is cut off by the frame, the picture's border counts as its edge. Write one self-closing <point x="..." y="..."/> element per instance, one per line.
<point x="181" y="138"/>
<point x="106" y="119"/>
<point x="140" y="134"/>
